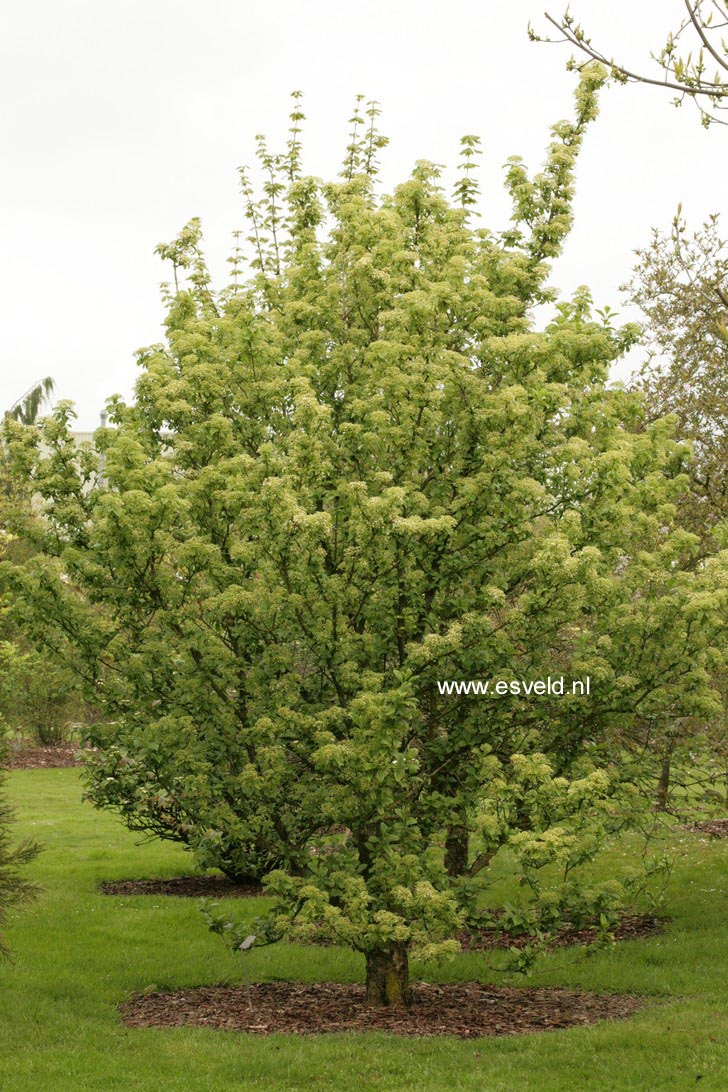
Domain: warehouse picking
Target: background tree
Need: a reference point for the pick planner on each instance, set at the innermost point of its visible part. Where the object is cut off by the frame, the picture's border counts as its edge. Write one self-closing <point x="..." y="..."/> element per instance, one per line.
<point x="357" y="471"/>
<point x="681" y="286"/>
<point x="13" y="491"/>
<point x="13" y="887"/>
<point x="29" y="405"/>
<point x="39" y="698"/>
<point x="693" y="59"/>
<point x="13" y="663"/>
<point x="680" y="283"/>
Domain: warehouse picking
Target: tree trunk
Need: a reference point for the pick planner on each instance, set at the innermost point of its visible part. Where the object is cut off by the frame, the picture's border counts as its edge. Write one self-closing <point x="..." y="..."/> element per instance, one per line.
<point x="456" y="850"/>
<point x="663" y="785"/>
<point x="387" y="975"/>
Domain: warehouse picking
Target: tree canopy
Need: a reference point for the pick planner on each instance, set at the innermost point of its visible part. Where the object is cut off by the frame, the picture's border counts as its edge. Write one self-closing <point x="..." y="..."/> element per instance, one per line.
<point x="680" y="283"/>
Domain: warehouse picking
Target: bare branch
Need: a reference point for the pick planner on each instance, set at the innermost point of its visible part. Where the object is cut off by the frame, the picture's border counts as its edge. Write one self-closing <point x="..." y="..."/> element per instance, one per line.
<point x="683" y="73"/>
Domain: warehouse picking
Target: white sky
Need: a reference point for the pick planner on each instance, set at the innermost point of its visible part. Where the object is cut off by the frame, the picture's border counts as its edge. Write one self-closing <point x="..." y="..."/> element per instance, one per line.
<point x="122" y="121"/>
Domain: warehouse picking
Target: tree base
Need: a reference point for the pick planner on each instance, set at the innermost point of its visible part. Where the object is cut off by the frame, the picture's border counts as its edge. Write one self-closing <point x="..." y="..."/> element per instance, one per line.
<point x="387" y="975"/>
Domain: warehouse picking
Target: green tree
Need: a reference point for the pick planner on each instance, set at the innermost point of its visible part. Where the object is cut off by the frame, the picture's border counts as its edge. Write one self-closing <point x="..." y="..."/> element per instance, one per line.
<point x="358" y="472"/>
<point x="680" y="283"/>
<point x="693" y="58"/>
<point x="37" y="696"/>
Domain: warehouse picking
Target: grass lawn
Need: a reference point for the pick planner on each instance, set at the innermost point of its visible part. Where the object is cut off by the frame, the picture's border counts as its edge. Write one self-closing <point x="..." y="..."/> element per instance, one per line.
<point x="79" y="953"/>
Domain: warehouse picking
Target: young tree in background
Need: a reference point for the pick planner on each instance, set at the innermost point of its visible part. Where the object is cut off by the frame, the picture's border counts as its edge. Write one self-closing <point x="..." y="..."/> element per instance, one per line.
<point x="680" y="283"/>
<point x="359" y="471"/>
<point x="693" y="58"/>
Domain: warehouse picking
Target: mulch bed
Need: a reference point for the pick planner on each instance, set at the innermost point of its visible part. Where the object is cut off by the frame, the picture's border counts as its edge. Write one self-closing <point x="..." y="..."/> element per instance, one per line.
<point x="717" y="828"/>
<point x="26" y="755"/>
<point x="467" y="1011"/>
<point x="630" y="927"/>
<point x="200" y="887"/>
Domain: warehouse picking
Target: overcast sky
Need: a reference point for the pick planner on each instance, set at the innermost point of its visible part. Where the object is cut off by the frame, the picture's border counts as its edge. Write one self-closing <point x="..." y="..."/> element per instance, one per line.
<point x="123" y="121"/>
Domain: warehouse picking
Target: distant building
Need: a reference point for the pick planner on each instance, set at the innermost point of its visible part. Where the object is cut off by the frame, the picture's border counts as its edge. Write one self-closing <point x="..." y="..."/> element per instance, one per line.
<point x="83" y="437"/>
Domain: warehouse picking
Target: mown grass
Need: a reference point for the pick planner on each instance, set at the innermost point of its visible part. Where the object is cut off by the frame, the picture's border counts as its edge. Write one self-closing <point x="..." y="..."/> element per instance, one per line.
<point x="78" y="953"/>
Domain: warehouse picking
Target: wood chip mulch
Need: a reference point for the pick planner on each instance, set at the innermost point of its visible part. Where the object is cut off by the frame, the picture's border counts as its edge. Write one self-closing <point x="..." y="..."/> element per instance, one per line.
<point x="630" y="927"/>
<point x="200" y="887"/>
<point x="717" y="828"/>
<point x="30" y="756"/>
<point x="465" y="1010"/>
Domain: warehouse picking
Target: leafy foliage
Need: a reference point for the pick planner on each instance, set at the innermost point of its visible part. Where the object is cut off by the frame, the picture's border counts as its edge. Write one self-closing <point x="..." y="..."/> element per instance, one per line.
<point x="39" y="697"/>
